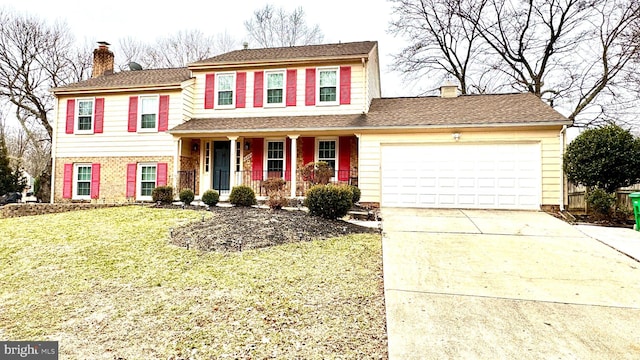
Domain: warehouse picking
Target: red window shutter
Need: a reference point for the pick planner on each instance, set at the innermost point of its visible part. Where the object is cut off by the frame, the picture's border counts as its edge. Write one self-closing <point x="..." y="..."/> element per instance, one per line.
<point x="308" y="150"/>
<point x="287" y="159"/>
<point x="71" y="113"/>
<point x="209" y="90"/>
<point x="258" y="88"/>
<point x="133" y="114"/>
<point x="161" y="176"/>
<point x="131" y="179"/>
<point x="344" y="158"/>
<point x="67" y="184"/>
<point x="310" y="87"/>
<point x="99" y="116"/>
<point x="345" y="85"/>
<point x="95" y="181"/>
<point x="241" y="89"/>
<point x="292" y="81"/>
<point x="257" y="147"/>
<point x="163" y="114"/>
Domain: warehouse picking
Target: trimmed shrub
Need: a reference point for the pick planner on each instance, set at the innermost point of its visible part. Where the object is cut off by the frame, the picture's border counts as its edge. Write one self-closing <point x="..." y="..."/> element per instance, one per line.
<point x="275" y="192"/>
<point x="601" y="202"/>
<point x="163" y="194"/>
<point x="356" y="193"/>
<point x="242" y="195"/>
<point x="210" y="197"/>
<point x="186" y="196"/>
<point x="329" y="201"/>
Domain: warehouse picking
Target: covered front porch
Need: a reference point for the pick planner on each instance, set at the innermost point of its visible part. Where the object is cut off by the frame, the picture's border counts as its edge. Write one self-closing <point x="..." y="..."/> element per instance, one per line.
<point x="222" y="162"/>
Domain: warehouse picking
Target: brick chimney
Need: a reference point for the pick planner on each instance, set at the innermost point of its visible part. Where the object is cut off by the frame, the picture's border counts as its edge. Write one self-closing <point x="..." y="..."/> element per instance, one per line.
<point x="449" y="90"/>
<point x="102" y="60"/>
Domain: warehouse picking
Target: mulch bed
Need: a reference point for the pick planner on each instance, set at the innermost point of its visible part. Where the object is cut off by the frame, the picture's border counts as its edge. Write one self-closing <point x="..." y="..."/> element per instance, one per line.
<point x="240" y="228"/>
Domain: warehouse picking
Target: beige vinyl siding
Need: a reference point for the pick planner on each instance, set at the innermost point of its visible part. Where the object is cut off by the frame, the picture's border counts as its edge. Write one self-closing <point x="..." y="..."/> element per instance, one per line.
<point x="369" y="157"/>
<point x="373" y="79"/>
<point x="187" y="100"/>
<point x="356" y="107"/>
<point x="115" y="140"/>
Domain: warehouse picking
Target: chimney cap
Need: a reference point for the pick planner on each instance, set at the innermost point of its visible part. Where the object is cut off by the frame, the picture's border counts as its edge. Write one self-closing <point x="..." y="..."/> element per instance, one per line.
<point x="103" y="43"/>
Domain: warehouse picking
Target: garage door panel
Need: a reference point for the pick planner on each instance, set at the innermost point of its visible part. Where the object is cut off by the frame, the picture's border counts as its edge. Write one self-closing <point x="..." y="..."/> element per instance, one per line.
<point x="469" y="175"/>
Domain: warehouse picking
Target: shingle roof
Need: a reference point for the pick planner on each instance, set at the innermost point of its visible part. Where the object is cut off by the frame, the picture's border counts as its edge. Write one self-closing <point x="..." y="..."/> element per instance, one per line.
<point x="130" y="80"/>
<point x="425" y="112"/>
<point x="353" y="49"/>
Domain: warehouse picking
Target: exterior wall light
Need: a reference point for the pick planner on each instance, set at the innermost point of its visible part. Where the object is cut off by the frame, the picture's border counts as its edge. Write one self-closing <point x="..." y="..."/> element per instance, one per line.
<point x="456" y="136"/>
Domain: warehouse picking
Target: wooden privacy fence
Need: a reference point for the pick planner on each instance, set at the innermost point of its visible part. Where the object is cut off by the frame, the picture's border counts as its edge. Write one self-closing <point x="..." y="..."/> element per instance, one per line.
<point x="577" y="197"/>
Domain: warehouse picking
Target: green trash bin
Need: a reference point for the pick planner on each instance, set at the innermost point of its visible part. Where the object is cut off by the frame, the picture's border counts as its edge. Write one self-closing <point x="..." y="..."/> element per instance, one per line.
<point x="635" y="202"/>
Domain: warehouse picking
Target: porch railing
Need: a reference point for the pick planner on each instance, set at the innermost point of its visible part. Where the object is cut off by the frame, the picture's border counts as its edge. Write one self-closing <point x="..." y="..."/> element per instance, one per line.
<point x="255" y="180"/>
<point x="187" y="180"/>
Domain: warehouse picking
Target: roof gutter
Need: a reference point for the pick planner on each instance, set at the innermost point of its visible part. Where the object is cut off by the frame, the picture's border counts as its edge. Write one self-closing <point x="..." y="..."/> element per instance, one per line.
<point x="364" y="128"/>
<point x="263" y="63"/>
<point x="72" y="91"/>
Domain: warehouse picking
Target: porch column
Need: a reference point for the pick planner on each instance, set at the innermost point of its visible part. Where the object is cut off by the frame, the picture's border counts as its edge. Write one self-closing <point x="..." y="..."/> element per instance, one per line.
<point x="232" y="170"/>
<point x="294" y="163"/>
<point x="176" y="162"/>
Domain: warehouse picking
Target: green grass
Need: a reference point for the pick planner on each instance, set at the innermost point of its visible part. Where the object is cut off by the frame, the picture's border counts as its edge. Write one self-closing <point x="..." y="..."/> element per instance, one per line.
<point x="107" y="284"/>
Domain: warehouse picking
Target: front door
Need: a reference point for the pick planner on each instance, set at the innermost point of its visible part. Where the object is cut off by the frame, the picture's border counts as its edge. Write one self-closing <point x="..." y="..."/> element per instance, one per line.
<point x="221" y="165"/>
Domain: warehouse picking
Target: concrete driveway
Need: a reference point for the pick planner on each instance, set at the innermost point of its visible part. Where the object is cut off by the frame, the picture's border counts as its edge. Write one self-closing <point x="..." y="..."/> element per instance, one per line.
<point x="482" y="284"/>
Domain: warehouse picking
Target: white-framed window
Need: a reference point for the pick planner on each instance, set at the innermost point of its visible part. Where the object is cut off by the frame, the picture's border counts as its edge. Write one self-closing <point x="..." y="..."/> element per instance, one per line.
<point x="81" y="182"/>
<point x="327" y="151"/>
<point x="147" y="178"/>
<point x="275" y="89"/>
<point x="327" y="86"/>
<point x="275" y="158"/>
<point x="85" y="116"/>
<point x="148" y="114"/>
<point x="225" y="90"/>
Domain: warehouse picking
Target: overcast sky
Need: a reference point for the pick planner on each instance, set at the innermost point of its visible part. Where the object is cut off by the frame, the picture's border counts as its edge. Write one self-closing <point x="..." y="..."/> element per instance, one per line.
<point x="340" y="20"/>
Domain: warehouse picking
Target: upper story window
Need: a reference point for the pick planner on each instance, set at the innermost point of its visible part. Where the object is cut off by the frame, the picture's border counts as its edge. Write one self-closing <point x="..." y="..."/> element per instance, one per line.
<point x="148" y="113"/>
<point x="275" y="87"/>
<point x="225" y="85"/>
<point x="85" y="116"/>
<point x="328" y="86"/>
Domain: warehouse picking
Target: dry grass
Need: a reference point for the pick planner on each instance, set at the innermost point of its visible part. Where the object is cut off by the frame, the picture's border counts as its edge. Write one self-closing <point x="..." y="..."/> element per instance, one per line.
<point x="106" y="284"/>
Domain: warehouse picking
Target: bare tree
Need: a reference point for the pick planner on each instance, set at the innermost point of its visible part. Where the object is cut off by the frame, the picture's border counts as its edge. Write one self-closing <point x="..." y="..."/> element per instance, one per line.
<point x="442" y="45"/>
<point x="271" y="27"/>
<point x="573" y="53"/>
<point x="34" y="57"/>
<point x="175" y="50"/>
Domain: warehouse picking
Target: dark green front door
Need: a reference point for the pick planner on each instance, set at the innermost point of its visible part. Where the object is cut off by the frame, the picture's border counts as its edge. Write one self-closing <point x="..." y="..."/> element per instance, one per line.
<point x="221" y="165"/>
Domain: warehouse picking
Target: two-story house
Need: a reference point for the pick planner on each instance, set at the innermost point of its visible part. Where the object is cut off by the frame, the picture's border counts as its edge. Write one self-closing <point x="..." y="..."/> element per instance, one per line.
<point x="251" y="114"/>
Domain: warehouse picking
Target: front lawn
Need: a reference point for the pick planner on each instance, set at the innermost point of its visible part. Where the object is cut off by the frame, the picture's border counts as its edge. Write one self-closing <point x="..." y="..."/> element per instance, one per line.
<point x="107" y="284"/>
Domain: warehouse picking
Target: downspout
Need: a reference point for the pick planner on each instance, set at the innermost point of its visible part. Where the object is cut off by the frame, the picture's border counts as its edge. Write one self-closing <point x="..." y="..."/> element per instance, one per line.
<point x="54" y="143"/>
<point x="365" y="104"/>
<point x="561" y="136"/>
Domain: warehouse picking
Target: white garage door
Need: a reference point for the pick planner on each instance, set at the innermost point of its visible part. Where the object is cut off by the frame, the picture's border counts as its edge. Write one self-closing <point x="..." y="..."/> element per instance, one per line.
<point x="486" y="176"/>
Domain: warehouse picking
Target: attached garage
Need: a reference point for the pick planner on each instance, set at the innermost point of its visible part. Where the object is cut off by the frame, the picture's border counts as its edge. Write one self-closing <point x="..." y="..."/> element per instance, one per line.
<point x="487" y="176"/>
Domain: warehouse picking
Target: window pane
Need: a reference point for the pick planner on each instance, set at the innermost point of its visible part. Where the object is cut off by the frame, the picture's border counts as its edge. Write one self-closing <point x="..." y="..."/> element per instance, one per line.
<point x="275" y="150"/>
<point x="327" y="152"/>
<point x="84" y="173"/>
<point x="148" y="173"/>
<point x="274" y="96"/>
<point x="328" y="78"/>
<point x="225" y="98"/>
<point x="328" y="94"/>
<point x="84" y="188"/>
<point x="84" y="123"/>
<point x="274" y="165"/>
<point x="146" y="188"/>
<point x="149" y="105"/>
<point x="225" y="82"/>
<point x="148" y="121"/>
<point x="85" y="108"/>
<point x="275" y="81"/>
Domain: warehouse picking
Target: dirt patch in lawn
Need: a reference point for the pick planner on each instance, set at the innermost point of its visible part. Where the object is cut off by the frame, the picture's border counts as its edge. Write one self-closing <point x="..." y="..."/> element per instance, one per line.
<point x="242" y="228"/>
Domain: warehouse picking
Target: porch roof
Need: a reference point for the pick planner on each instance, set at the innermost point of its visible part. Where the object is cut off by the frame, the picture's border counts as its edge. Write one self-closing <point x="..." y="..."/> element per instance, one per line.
<point x="500" y="110"/>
